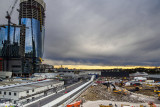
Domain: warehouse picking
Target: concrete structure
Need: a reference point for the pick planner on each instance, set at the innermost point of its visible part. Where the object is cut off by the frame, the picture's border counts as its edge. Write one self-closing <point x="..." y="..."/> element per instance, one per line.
<point x="5" y="74"/>
<point x="46" y="68"/>
<point x="14" y="66"/>
<point x="29" y="92"/>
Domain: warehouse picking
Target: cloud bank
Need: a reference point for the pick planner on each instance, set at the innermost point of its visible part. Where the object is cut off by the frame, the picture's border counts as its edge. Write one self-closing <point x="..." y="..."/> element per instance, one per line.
<point x="107" y="32"/>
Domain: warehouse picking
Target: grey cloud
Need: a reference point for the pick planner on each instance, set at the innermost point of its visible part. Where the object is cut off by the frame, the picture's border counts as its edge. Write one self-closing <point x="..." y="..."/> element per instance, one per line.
<point x="106" y="32"/>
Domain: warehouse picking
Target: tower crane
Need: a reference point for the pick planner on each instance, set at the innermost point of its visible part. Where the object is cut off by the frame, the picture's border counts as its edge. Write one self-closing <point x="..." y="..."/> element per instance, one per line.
<point x="8" y="16"/>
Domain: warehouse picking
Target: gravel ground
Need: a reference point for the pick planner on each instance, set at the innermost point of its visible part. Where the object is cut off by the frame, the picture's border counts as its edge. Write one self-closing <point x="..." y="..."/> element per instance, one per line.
<point x="101" y="94"/>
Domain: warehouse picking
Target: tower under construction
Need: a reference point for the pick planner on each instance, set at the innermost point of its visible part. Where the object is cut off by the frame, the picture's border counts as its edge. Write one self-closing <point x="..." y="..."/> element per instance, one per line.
<point x="22" y="46"/>
<point x="32" y="15"/>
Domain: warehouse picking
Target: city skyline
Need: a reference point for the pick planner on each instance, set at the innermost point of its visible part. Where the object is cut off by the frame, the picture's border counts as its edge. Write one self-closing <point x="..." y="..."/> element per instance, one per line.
<point x="96" y="67"/>
<point x="102" y="32"/>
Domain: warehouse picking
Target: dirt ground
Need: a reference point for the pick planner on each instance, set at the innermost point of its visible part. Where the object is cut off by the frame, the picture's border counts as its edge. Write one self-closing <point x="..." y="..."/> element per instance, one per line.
<point x="149" y="91"/>
<point x="100" y="92"/>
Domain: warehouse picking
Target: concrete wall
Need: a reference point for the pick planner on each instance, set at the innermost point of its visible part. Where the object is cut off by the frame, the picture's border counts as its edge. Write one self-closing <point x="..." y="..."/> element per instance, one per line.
<point x="12" y="65"/>
<point x="7" y="96"/>
<point x="40" y="89"/>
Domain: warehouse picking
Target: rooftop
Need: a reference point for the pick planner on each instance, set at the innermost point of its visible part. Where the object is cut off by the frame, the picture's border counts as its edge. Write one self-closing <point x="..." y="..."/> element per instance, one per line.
<point x="26" y="87"/>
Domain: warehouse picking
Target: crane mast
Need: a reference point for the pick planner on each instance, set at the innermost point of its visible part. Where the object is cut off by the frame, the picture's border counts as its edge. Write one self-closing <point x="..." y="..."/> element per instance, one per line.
<point x="8" y="16"/>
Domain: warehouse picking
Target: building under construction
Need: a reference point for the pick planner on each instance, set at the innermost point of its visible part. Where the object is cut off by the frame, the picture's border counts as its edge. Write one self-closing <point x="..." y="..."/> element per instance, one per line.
<point x="22" y="46"/>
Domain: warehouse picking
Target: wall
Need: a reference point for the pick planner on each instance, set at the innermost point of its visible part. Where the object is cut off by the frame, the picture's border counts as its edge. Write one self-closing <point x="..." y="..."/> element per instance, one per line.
<point x="7" y="96"/>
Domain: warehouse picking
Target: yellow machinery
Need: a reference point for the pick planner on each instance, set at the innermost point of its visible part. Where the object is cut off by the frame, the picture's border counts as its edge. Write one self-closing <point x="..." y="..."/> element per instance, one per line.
<point x="105" y="105"/>
<point x="114" y="88"/>
<point x="40" y="59"/>
<point x="157" y="89"/>
<point x="120" y="91"/>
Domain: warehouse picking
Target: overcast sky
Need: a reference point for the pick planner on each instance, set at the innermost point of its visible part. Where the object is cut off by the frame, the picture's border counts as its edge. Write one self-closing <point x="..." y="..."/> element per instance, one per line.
<point x="100" y="32"/>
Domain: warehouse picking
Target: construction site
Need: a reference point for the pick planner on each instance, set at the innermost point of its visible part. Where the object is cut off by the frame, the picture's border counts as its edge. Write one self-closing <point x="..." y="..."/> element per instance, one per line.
<point x="111" y="92"/>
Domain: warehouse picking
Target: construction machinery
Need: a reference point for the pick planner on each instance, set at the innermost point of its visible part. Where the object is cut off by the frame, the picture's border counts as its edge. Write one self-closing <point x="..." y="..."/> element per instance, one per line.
<point x="157" y="89"/>
<point x="120" y="91"/>
<point x="105" y="105"/>
<point x="113" y="88"/>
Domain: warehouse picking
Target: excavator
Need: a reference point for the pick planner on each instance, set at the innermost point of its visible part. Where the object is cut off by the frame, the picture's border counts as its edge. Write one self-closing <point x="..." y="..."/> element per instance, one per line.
<point x="109" y="85"/>
<point x="157" y="91"/>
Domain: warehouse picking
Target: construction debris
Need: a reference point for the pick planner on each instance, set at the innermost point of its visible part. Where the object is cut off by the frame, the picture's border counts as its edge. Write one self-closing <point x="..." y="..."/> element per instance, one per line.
<point x="100" y="92"/>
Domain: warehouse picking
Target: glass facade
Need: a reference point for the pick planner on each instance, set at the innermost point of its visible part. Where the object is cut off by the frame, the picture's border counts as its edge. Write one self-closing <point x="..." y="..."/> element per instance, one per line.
<point x="14" y="34"/>
<point x="14" y="38"/>
<point x="34" y="37"/>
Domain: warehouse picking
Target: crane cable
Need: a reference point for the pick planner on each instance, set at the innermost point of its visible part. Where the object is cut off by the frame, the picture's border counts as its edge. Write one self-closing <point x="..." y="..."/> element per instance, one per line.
<point x="12" y="8"/>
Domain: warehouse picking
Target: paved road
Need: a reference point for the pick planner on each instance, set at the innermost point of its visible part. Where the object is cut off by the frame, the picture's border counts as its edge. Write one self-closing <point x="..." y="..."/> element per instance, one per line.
<point x="55" y="96"/>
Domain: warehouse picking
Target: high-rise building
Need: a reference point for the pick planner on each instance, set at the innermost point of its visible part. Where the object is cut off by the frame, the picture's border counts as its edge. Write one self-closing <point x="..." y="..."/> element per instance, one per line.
<point x="32" y="15"/>
<point x="22" y="52"/>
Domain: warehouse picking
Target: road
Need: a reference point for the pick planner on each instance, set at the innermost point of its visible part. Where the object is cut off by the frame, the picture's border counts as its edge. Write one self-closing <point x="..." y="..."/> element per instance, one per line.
<point x="55" y="96"/>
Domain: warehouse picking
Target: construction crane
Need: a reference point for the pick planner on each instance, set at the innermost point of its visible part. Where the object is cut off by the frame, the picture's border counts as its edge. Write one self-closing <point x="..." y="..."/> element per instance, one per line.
<point x="8" y="16"/>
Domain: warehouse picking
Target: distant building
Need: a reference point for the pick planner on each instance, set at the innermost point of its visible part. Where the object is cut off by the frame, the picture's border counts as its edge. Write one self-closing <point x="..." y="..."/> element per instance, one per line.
<point x="138" y="74"/>
<point x="46" y="68"/>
